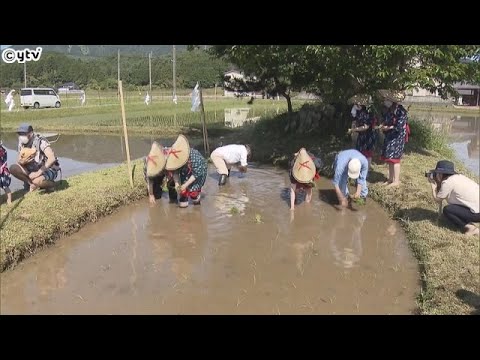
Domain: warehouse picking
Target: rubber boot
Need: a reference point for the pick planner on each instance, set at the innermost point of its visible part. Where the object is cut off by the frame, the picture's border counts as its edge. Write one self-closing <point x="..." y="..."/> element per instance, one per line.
<point x="222" y="180"/>
<point x="172" y="194"/>
<point x="157" y="189"/>
<point x="228" y="173"/>
<point x="183" y="202"/>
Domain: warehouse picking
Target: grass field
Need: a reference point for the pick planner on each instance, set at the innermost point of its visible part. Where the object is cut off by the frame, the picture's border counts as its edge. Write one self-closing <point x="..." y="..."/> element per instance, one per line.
<point x="140" y="118"/>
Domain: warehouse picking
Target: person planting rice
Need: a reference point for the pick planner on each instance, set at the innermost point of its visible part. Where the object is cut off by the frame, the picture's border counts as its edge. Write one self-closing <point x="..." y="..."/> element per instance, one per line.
<point x="189" y="169"/>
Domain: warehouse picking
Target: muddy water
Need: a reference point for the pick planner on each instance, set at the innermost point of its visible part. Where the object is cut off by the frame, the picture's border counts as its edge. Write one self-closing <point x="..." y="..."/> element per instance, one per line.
<point x="464" y="140"/>
<point x="463" y="134"/>
<point x="241" y="252"/>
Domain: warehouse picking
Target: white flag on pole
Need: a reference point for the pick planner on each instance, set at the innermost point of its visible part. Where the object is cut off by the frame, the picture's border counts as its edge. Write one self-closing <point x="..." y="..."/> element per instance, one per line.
<point x="195" y="98"/>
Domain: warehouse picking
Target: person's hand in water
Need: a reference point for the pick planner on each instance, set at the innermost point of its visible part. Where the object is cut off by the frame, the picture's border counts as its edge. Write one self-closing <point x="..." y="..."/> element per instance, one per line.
<point x="151" y="199"/>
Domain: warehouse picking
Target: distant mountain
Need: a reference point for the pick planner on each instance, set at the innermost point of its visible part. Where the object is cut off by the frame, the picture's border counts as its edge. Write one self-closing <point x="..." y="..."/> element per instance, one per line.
<point x="104" y="50"/>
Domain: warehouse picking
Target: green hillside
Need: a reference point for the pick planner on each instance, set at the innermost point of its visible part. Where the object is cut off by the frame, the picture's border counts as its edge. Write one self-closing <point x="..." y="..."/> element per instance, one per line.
<point x="104" y="50"/>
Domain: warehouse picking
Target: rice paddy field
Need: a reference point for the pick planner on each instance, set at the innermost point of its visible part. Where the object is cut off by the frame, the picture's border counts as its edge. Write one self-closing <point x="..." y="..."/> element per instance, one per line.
<point x="103" y="113"/>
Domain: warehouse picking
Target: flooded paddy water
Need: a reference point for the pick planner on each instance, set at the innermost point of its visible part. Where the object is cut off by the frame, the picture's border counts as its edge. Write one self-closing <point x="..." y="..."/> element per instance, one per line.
<point x="242" y="251"/>
<point x="463" y="132"/>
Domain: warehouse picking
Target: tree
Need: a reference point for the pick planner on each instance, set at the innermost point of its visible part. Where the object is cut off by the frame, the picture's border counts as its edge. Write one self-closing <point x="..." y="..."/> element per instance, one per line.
<point x="343" y="71"/>
<point x="276" y="69"/>
<point x="368" y="68"/>
<point x="337" y="72"/>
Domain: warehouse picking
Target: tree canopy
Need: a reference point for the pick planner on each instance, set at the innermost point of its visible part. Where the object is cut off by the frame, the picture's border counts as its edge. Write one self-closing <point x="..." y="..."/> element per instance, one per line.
<point x="336" y="72"/>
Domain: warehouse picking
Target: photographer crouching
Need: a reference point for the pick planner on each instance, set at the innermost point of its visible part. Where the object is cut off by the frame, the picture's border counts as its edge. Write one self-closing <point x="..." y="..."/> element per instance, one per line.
<point x="461" y="193"/>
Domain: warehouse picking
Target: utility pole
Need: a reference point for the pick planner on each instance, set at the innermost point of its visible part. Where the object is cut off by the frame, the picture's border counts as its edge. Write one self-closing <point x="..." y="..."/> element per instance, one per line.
<point x="150" y="70"/>
<point x="25" y="73"/>
<point x="118" y="73"/>
<point x="174" y="75"/>
<point x="118" y="65"/>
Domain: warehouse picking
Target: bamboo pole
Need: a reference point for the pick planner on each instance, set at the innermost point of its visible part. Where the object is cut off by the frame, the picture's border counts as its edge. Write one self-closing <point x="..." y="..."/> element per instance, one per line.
<point x="124" y="119"/>
<point x="205" y="133"/>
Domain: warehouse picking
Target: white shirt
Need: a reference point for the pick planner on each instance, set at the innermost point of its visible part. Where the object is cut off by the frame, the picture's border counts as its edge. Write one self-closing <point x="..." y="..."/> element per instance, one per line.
<point x="460" y="190"/>
<point x="233" y="154"/>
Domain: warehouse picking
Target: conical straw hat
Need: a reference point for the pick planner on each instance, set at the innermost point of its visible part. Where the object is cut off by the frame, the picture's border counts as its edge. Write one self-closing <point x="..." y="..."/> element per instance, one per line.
<point x="155" y="160"/>
<point x="303" y="169"/>
<point x="178" y="154"/>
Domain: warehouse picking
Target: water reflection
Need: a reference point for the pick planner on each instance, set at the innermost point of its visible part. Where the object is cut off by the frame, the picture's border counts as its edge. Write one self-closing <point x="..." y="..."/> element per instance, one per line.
<point x="178" y="239"/>
<point x="346" y="238"/>
<point x="473" y="147"/>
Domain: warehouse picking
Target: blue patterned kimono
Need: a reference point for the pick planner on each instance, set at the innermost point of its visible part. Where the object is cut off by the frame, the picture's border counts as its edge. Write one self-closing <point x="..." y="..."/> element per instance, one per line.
<point x="394" y="143"/>
<point x="196" y="166"/>
<point x="366" y="139"/>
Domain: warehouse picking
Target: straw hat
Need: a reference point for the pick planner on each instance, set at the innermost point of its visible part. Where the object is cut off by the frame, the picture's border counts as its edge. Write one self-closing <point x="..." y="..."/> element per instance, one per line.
<point x="178" y="154"/>
<point x="395" y="96"/>
<point x="27" y="155"/>
<point x="360" y="99"/>
<point x="155" y="160"/>
<point x="303" y="168"/>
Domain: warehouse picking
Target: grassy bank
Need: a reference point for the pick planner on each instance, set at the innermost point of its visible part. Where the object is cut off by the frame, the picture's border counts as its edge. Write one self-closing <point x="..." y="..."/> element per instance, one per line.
<point x="449" y="262"/>
<point x="37" y="219"/>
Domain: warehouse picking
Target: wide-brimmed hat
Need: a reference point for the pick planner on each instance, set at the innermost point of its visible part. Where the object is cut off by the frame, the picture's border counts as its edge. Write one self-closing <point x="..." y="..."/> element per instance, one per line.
<point x="303" y="168"/>
<point x="395" y="96"/>
<point x="354" y="167"/>
<point x="445" y="167"/>
<point x="156" y="160"/>
<point x="178" y="154"/>
<point x="360" y="99"/>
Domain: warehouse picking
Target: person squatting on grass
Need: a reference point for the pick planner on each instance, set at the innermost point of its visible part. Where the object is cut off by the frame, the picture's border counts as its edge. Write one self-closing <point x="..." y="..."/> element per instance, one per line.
<point x="461" y="193"/>
<point x="304" y="170"/>
<point x="36" y="165"/>
<point x="225" y="157"/>
<point x="5" y="178"/>
<point x="155" y="174"/>
<point x="189" y="169"/>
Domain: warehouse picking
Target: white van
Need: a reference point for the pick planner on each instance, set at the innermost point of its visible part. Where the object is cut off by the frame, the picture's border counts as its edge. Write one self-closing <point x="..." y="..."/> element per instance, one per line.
<point x="39" y="98"/>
